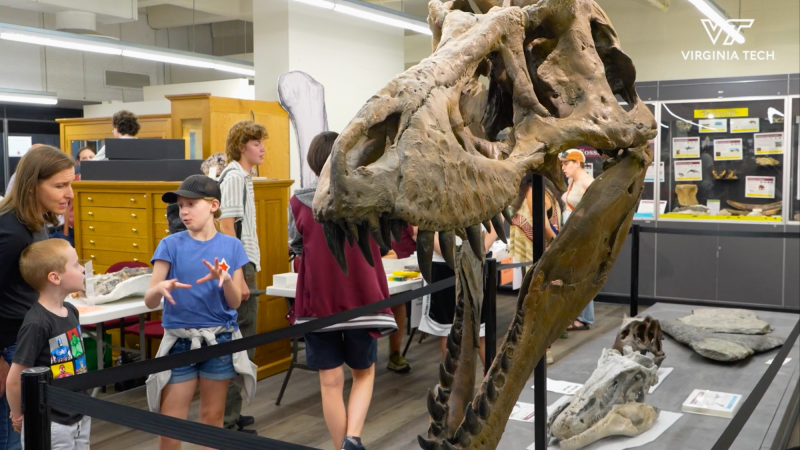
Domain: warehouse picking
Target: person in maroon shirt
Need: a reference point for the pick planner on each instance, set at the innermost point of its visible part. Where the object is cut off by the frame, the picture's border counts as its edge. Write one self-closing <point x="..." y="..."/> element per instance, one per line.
<point x="403" y="249"/>
<point x="322" y="290"/>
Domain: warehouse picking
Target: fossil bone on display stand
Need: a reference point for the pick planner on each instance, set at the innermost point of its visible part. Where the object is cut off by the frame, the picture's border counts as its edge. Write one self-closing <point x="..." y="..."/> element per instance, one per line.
<point x="643" y="335"/>
<point x="610" y="403"/>
<point x="687" y="194"/>
<point x="426" y="149"/>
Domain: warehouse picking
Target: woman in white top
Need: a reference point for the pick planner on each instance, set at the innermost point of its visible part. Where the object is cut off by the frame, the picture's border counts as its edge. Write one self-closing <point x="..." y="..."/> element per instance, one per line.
<point x="126" y="126"/>
<point x="573" y="163"/>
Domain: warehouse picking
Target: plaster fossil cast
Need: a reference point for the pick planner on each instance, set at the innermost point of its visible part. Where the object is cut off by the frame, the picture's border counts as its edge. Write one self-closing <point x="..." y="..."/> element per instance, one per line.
<point x="610" y="403"/>
<point x="687" y="194"/>
<point x="643" y="335"/>
<point x="425" y="150"/>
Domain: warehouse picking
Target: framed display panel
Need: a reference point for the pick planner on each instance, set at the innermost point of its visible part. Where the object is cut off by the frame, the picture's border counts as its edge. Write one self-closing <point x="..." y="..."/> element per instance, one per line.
<point x="794" y="160"/>
<point x="724" y="159"/>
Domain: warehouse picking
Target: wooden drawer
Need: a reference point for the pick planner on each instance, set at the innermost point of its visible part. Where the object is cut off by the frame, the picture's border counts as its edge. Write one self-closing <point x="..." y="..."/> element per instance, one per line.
<point x="106" y="258"/>
<point x="160" y="216"/>
<point x="90" y="229"/>
<point x="99" y="269"/>
<point x="120" y="215"/>
<point x="161" y="231"/>
<point x="115" y="200"/>
<point x="120" y="244"/>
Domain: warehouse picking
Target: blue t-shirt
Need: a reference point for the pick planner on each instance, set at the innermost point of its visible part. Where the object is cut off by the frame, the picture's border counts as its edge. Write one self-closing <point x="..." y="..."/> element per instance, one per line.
<point x="203" y="305"/>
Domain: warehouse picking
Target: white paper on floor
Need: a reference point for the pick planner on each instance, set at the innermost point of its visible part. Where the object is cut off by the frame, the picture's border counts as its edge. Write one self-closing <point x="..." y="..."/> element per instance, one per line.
<point x="524" y="412"/>
<point x="784" y="361"/>
<point x="662" y="373"/>
<point x="665" y="420"/>
<point x="562" y="387"/>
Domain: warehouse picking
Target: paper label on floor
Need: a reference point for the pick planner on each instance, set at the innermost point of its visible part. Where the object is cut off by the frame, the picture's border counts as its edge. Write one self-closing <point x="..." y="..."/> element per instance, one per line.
<point x="784" y="361"/>
<point x="562" y="387"/>
<point x="662" y="373"/>
<point x="665" y="420"/>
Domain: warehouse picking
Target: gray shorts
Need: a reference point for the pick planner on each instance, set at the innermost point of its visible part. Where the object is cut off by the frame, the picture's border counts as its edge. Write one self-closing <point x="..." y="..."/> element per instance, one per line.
<point x="68" y="437"/>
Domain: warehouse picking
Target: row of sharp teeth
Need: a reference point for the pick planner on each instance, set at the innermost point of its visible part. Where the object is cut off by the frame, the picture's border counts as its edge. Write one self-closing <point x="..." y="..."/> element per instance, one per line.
<point x="384" y="229"/>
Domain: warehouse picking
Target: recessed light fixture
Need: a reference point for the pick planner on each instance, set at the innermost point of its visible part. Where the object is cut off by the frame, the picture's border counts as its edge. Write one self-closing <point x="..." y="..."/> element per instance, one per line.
<point x="372" y="13"/>
<point x="32" y="97"/>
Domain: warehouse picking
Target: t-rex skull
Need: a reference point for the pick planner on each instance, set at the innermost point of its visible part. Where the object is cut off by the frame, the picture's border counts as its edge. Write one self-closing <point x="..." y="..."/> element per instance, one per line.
<point x="642" y="335"/>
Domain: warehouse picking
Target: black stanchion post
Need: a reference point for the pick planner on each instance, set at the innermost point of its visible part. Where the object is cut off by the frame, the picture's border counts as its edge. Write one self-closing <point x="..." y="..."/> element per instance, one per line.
<point x="490" y="295"/>
<point x="540" y="372"/>
<point x="635" y="271"/>
<point x="35" y="407"/>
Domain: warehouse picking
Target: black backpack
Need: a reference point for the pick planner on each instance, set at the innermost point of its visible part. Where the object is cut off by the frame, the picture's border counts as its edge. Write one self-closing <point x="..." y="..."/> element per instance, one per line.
<point x="174" y="212"/>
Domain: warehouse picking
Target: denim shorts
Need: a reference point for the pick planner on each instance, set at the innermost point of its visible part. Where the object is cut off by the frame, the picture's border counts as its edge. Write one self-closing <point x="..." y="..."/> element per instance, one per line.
<point x="214" y="369"/>
<point x="330" y="349"/>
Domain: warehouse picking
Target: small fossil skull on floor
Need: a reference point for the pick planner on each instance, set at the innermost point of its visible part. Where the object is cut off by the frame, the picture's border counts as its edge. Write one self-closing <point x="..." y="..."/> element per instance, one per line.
<point x="610" y="403"/>
<point x="642" y="335"/>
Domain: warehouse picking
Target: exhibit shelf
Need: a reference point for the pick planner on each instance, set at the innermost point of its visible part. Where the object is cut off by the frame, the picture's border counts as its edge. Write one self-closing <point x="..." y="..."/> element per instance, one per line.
<point x="724" y="218"/>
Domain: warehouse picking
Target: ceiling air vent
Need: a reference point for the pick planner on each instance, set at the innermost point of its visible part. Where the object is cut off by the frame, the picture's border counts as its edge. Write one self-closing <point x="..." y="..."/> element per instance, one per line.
<point x="126" y="79"/>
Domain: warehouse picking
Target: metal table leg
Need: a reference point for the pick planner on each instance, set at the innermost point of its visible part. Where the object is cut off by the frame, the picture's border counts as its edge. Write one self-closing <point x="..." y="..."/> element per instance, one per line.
<point x="98" y="338"/>
<point x="142" y="343"/>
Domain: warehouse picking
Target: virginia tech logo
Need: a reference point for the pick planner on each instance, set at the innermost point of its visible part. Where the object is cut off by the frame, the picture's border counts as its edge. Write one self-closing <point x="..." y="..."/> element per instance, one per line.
<point x="715" y="30"/>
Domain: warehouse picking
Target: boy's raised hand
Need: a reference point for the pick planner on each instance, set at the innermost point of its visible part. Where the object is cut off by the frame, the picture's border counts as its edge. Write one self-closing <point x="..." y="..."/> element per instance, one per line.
<point x="215" y="272"/>
<point x="166" y="286"/>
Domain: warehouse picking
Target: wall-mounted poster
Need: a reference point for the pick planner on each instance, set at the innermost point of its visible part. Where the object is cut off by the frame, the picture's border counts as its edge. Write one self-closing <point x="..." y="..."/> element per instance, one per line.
<point x="686" y="147"/>
<point x="745" y="125"/>
<point x="18" y="146"/>
<point x="727" y="149"/>
<point x="759" y="187"/>
<point x="713" y="125"/>
<point x="650" y="176"/>
<point x="768" y="143"/>
<point x="689" y="170"/>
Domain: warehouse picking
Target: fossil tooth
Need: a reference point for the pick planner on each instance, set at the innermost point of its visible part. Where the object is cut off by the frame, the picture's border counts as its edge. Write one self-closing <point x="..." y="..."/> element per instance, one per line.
<point x="386" y="231"/>
<point x="442" y="395"/>
<point x="375" y="230"/>
<point x="353" y="231"/>
<point x="452" y="347"/>
<point x="456" y="337"/>
<point x="491" y="391"/>
<point x="461" y="233"/>
<point x="488" y="225"/>
<point x="435" y="429"/>
<point x="505" y="362"/>
<point x="447" y="244"/>
<point x="334" y="237"/>
<point x="396" y="226"/>
<point x="448" y="446"/>
<point x="449" y="364"/>
<point x="348" y="233"/>
<point x="445" y="378"/>
<point x="512" y="335"/>
<point x="476" y="241"/>
<point x="363" y="243"/>
<point x="428" y="444"/>
<point x="436" y="410"/>
<point x="425" y="253"/>
<point x="483" y="407"/>
<point x="461" y="437"/>
<point x="497" y="223"/>
<point x="507" y="214"/>
<point x="471" y="421"/>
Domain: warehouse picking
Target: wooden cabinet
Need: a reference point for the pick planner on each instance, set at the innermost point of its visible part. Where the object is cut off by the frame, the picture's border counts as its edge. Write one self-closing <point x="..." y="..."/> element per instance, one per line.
<point x="95" y="128"/>
<point x="125" y="221"/>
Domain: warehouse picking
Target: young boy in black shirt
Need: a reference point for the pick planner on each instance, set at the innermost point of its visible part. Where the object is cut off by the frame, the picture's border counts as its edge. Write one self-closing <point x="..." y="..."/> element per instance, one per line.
<point x="50" y="335"/>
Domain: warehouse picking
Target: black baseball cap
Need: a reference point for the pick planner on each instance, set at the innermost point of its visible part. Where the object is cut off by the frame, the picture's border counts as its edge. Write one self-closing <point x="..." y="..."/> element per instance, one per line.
<point x="196" y="186"/>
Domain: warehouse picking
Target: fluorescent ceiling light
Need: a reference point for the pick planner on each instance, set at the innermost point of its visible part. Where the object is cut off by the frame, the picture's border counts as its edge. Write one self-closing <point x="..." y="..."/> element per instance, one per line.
<point x="371" y="13"/>
<point x="166" y="58"/>
<point x="33" y="97"/>
<point x="60" y="43"/>
<point x="234" y="69"/>
<point x="712" y="11"/>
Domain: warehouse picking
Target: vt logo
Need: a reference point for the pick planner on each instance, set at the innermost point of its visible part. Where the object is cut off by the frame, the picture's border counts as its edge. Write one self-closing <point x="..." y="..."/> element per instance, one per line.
<point x="715" y="30"/>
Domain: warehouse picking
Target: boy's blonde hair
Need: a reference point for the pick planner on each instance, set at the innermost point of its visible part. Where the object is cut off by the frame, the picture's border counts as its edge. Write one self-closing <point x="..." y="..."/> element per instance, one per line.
<point x="40" y="259"/>
<point x="240" y="134"/>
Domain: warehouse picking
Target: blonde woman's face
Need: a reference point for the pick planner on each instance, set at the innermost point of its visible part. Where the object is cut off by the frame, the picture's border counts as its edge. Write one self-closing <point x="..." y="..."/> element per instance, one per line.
<point x="55" y="193"/>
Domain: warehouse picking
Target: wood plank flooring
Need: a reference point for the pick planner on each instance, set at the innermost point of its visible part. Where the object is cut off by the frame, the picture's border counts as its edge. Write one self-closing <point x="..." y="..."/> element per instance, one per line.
<point x="397" y="413"/>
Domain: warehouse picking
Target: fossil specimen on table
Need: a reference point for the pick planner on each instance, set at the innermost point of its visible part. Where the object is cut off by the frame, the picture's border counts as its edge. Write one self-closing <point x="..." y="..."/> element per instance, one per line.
<point x="687" y="194"/>
<point x="767" y="161"/>
<point x="770" y="209"/>
<point x="612" y="402"/>
<point x="694" y="209"/>
<point x="104" y="284"/>
<point x="720" y="346"/>
<point x="643" y="335"/>
<point x="727" y="320"/>
<point x="427" y="149"/>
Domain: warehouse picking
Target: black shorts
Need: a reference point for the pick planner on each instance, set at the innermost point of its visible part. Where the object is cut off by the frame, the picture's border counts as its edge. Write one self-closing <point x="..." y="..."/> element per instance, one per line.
<point x="331" y="349"/>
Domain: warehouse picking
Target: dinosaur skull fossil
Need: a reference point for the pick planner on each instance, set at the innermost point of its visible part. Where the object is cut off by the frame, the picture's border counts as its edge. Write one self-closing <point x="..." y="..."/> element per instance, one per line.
<point x="642" y="335"/>
<point x="437" y="149"/>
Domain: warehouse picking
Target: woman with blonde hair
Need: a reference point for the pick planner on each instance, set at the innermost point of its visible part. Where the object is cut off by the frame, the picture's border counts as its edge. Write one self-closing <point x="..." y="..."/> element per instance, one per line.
<point x="42" y="191"/>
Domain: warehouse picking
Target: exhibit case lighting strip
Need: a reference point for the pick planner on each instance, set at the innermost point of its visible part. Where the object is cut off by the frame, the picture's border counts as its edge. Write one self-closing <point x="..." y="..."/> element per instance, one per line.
<point x="372" y="13"/>
<point x="51" y="38"/>
<point x="32" y="97"/>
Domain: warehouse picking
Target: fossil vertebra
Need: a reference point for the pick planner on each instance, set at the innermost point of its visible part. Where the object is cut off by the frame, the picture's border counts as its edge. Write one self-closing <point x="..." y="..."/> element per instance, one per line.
<point x="642" y="335"/>
<point x="610" y="403"/>
<point x="425" y="150"/>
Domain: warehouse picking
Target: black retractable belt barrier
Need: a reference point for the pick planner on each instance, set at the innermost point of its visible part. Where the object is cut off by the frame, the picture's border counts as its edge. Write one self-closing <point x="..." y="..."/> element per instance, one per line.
<point x="36" y="408"/>
<point x="514" y="266"/>
<point x="540" y="371"/>
<point x="159" y="424"/>
<point x="490" y="295"/>
<point x="144" y="368"/>
<point x="635" y="230"/>
<point x="740" y="419"/>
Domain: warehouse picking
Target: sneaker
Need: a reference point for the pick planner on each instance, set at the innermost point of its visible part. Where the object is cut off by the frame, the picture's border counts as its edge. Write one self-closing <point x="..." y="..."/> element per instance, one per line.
<point x="245" y="421"/>
<point x="549" y="357"/>
<point x="398" y="364"/>
<point x="352" y="443"/>
<point x="565" y="335"/>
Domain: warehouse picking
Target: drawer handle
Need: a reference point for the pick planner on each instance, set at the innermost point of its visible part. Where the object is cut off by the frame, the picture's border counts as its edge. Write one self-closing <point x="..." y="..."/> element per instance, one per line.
<point x="133" y="215"/>
<point x="135" y="245"/>
<point x="165" y="216"/>
<point x="135" y="259"/>
<point x="133" y="201"/>
<point x="89" y="198"/>
<point x="91" y="213"/>
<point x="91" y="256"/>
<point x="166" y="231"/>
<point x="91" y="227"/>
<point x="133" y="229"/>
<point x="91" y="242"/>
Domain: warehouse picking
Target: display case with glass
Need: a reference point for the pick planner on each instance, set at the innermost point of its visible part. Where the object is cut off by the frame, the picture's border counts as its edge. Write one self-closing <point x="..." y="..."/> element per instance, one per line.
<point x="723" y="160"/>
<point x="794" y="182"/>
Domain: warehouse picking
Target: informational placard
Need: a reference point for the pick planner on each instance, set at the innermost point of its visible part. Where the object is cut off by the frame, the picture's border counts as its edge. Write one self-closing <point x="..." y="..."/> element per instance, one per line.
<point x="690" y="170"/>
<point x="713" y="207"/>
<point x="745" y="125"/>
<point x="759" y="187"/>
<point x="646" y="207"/>
<point x="768" y="143"/>
<point x="727" y="149"/>
<point x="18" y="146"/>
<point x="713" y="125"/>
<point x="725" y="112"/>
<point x="686" y="147"/>
<point x="589" y="168"/>
<point x="650" y="176"/>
